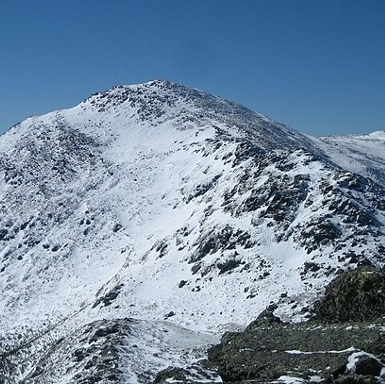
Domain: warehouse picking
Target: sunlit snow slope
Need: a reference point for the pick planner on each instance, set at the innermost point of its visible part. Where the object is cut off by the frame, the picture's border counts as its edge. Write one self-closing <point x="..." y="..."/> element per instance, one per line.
<point x="364" y="154"/>
<point x="163" y="203"/>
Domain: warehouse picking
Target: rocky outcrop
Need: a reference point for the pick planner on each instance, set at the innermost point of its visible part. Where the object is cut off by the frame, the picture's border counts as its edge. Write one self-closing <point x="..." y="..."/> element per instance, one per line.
<point x="195" y="374"/>
<point x="353" y="296"/>
<point x="343" y="343"/>
<point x="91" y="354"/>
<point x="267" y="352"/>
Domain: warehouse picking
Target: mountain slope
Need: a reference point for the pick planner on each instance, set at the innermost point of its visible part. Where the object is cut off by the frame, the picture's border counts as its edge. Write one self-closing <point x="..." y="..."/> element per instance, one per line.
<point x="163" y="203"/>
<point x="363" y="154"/>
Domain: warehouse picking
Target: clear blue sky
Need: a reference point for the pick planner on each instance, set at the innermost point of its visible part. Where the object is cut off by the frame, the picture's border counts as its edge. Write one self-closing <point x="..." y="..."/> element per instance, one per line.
<point x="316" y="65"/>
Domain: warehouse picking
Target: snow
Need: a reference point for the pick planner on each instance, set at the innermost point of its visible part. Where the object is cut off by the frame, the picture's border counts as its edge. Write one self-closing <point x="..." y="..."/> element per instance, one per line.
<point x="160" y="345"/>
<point x="363" y="154"/>
<point x="296" y="352"/>
<point x="289" y="380"/>
<point x="353" y="359"/>
<point x="119" y="193"/>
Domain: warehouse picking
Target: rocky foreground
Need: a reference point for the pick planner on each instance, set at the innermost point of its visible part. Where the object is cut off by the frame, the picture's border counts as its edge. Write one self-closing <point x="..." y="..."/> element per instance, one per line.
<point x="343" y="342"/>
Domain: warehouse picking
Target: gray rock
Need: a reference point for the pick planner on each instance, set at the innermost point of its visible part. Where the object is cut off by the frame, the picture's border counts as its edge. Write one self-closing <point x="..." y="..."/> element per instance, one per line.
<point x="365" y="364"/>
<point x="353" y="296"/>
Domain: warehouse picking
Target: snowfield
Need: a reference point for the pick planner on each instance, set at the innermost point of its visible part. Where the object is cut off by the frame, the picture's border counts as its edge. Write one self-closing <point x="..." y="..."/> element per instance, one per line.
<point x="183" y="212"/>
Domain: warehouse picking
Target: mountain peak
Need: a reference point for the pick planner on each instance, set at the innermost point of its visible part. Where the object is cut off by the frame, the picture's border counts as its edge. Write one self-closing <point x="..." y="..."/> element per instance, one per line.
<point x="158" y="86"/>
<point x="166" y="204"/>
<point x="159" y="101"/>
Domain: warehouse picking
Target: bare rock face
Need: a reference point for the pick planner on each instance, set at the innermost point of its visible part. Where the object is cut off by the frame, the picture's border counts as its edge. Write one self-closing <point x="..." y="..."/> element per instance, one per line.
<point x="353" y="296"/>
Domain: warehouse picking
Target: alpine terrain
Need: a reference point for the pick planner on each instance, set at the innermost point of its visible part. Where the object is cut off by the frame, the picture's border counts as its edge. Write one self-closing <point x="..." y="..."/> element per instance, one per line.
<point x="139" y="226"/>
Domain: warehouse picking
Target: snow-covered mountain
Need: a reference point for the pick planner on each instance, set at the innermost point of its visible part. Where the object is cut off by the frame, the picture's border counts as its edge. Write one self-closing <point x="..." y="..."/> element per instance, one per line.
<point x="363" y="154"/>
<point x="155" y="209"/>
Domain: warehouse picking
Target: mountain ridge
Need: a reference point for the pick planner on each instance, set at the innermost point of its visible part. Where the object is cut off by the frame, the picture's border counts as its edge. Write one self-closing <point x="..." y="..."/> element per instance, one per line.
<point x="143" y="201"/>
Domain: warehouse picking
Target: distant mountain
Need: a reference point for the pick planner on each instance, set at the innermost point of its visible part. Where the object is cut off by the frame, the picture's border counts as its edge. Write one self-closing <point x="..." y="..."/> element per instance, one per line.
<point x="138" y="225"/>
<point x="363" y="154"/>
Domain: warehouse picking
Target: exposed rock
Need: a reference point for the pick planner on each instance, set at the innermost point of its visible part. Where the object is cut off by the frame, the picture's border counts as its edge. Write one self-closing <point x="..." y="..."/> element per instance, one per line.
<point x="355" y="379"/>
<point x="182" y="283"/>
<point x="170" y="314"/>
<point x="266" y="352"/>
<point x="117" y="351"/>
<point x="353" y="296"/>
<point x="266" y="317"/>
<point x="177" y="375"/>
<point x="194" y="374"/>
<point x="93" y="353"/>
<point x="108" y="298"/>
<point x="364" y="364"/>
<point x="269" y="348"/>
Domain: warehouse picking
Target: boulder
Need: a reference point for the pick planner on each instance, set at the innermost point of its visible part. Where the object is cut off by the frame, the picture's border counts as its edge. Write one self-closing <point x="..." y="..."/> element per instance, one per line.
<point x="353" y="296"/>
<point x="362" y="363"/>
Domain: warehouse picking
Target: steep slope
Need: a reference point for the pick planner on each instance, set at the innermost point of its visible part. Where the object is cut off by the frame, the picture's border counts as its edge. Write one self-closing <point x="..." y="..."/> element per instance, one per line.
<point x="163" y="203"/>
<point x="363" y="154"/>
